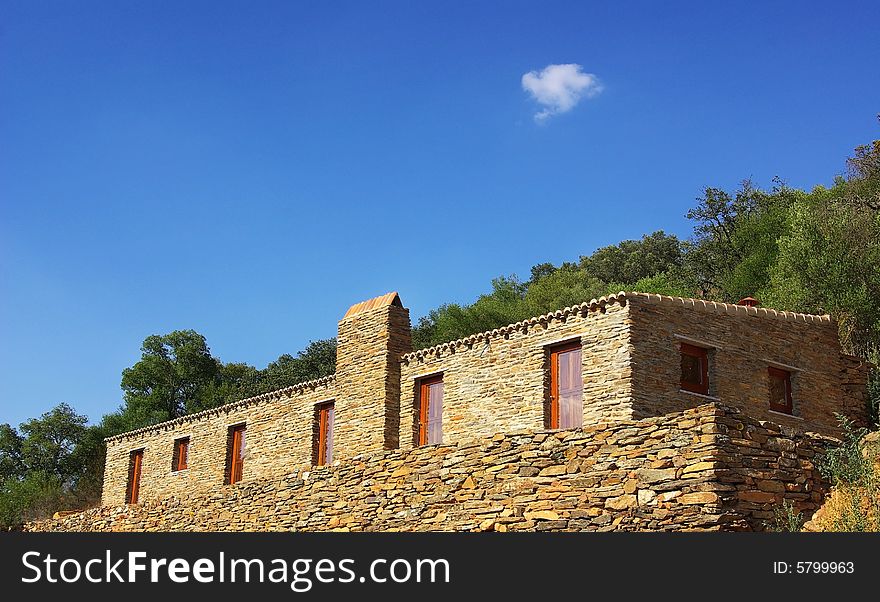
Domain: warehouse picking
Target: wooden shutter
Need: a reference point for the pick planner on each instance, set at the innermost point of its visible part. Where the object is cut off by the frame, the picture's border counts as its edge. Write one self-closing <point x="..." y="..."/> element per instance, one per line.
<point x="136" y="461"/>
<point x="326" y="416"/>
<point x="780" y="390"/>
<point x="431" y="410"/>
<point x="694" y="369"/>
<point x="566" y="386"/>
<point x="180" y="459"/>
<point x="236" y="453"/>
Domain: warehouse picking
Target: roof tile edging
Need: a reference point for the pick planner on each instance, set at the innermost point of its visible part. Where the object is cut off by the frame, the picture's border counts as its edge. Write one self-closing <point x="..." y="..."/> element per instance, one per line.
<point x="735" y="309"/>
<point x="591" y="305"/>
<point x="600" y="303"/>
<point x="271" y="395"/>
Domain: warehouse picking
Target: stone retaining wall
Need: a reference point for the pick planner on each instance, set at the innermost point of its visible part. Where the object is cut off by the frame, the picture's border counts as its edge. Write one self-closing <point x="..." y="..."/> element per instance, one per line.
<point x="707" y="468"/>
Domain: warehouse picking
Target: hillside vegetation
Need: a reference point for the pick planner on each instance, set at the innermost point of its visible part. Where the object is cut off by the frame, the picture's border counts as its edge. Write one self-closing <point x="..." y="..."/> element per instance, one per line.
<point x="815" y="251"/>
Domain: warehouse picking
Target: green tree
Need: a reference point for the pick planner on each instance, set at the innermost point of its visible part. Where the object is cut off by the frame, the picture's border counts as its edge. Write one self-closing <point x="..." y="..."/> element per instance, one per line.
<point x="48" y="442"/>
<point x="504" y="305"/>
<point x="735" y="240"/>
<point x="11" y="462"/>
<point x="566" y="286"/>
<point x="317" y="360"/>
<point x="828" y="262"/>
<point x="632" y="260"/>
<point x="47" y="464"/>
<point x="175" y="375"/>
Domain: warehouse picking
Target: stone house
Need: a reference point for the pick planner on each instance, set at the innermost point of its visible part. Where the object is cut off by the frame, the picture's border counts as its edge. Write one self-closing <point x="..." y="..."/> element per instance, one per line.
<point x="617" y="360"/>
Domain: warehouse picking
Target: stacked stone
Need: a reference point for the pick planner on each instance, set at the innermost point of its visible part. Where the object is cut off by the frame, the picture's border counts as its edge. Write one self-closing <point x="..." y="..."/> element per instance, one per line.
<point x="498" y="381"/>
<point x="742" y="342"/>
<point x="370" y="344"/>
<point x="766" y="464"/>
<point x="278" y="438"/>
<point x="707" y="468"/>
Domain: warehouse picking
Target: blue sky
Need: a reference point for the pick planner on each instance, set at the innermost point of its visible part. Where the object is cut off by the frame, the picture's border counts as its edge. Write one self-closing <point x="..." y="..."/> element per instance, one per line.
<point x="251" y="169"/>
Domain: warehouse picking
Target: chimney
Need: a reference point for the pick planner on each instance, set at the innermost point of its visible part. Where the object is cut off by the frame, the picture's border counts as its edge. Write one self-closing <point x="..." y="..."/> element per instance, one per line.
<point x="749" y="302"/>
<point x="372" y="336"/>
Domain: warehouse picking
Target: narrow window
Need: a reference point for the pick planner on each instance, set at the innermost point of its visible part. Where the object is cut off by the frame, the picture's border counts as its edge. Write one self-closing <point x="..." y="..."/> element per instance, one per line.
<point x="694" y="369"/>
<point x="135" y="463"/>
<point x="566" y="399"/>
<point x="325" y="414"/>
<point x="235" y="454"/>
<point x="180" y="456"/>
<point x="430" y="413"/>
<point x="780" y="390"/>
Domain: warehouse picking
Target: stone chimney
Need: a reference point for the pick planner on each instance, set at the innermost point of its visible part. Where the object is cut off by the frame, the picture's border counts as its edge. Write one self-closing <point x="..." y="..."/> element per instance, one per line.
<point x="372" y="336"/>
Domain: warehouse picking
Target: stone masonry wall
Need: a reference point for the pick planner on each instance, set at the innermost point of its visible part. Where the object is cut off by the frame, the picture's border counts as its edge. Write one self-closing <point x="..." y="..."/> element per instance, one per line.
<point x="743" y="342"/>
<point x="370" y="344"/>
<point x="278" y="439"/>
<point x="498" y="381"/>
<point x="706" y="468"/>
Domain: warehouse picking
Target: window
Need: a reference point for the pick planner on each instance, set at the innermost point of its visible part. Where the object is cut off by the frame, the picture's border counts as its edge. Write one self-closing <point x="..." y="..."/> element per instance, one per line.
<point x="135" y="464"/>
<point x="324" y="444"/>
<point x="235" y="454"/>
<point x="566" y="398"/>
<point x="694" y="369"/>
<point x="780" y="390"/>
<point x="430" y="410"/>
<point x="180" y="456"/>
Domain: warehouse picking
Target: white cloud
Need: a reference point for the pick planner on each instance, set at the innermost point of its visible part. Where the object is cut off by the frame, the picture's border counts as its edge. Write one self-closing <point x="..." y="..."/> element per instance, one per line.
<point x="558" y="88"/>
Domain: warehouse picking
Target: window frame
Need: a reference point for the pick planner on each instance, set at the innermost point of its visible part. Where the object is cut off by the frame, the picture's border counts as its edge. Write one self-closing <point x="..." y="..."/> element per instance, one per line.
<point x="322" y="418"/>
<point x="553" y="351"/>
<point x="702" y="354"/>
<point x="423" y="407"/>
<point x="135" y="473"/>
<point x="234" y="459"/>
<point x="785" y="376"/>
<point x="180" y="443"/>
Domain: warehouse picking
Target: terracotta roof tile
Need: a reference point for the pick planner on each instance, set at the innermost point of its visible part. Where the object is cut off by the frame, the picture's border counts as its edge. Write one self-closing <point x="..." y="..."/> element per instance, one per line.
<point x="620" y="298"/>
<point x="228" y="407"/>
<point x="381" y="301"/>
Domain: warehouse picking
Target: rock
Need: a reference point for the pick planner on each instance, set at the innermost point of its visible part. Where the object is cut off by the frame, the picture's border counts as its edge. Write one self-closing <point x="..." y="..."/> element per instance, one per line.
<point x="645" y="496"/>
<point x="654" y="475"/>
<point x="698" y="467"/>
<point x="621" y="503"/>
<point x="541" y="515"/>
<point x="700" y="497"/>
<point x="759" y="497"/>
<point x="552" y="471"/>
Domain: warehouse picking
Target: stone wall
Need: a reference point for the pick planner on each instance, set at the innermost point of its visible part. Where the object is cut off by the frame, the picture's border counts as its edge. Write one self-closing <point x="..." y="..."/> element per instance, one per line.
<point x="743" y="342"/>
<point x="706" y="468"/>
<point x="498" y="381"/>
<point x="276" y="442"/>
<point x="369" y="345"/>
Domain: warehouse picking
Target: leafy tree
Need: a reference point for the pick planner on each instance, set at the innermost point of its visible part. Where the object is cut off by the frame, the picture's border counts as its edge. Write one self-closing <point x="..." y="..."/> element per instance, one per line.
<point x="828" y="261"/>
<point x="47" y="464"/>
<point x="633" y="260"/>
<point x="504" y="305"/>
<point x="541" y="270"/>
<point x="11" y="463"/>
<point x="566" y="286"/>
<point x="48" y="442"/>
<point x="175" y="375"/>
<point x="36" y="495"/>
<point x="317" y="360"/>
<point x="735" y="240"/>
<point x="665" y="283"/>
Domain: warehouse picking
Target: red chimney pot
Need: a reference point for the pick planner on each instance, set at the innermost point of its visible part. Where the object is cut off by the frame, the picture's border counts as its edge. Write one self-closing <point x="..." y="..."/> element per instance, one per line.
<point x="749" y="302"/>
